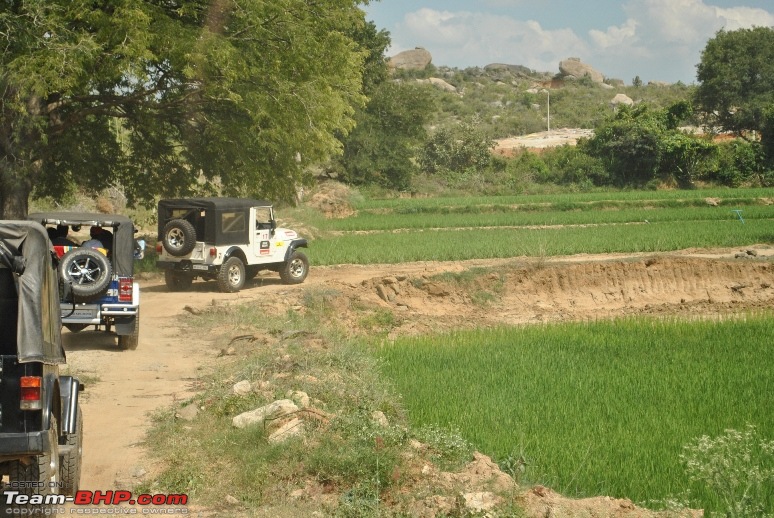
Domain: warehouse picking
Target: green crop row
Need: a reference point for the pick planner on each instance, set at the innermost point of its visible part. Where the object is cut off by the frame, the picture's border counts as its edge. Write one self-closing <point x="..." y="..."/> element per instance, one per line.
<point x="593" y="408"/>
<point x="455" y="245"/>
<point x="570" y="198"/>
<point x="506" y="216"/>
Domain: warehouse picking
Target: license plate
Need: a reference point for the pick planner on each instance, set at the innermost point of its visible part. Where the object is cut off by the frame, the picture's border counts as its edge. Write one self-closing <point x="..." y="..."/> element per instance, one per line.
<point x="79" y="313"/>
<point x="200" y="267"/>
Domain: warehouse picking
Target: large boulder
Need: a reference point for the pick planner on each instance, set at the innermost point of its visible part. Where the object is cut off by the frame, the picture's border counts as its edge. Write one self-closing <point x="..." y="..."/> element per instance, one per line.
<point x="416" y="59"/>
<point x="439" y="83"/>
<point x="574" y="67"/>
<point x="520" y="70"/>
<point x="621" y="99"/>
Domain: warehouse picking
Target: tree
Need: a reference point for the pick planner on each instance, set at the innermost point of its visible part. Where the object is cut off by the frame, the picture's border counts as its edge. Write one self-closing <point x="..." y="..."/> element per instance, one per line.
<point x="640" y="144"/>
<point x="456" y="150"/>
<point x="628" y="145"/>
<point x="172" y="97"/>
<point x="736" y="80"/>
<point x="381" y="148"/>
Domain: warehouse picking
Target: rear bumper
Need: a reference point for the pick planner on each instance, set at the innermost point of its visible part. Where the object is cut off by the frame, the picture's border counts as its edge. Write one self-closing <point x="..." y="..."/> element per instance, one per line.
<point x="94" y="313"/>
<point x="24" y="444"/>
<point x="189" y="267"/>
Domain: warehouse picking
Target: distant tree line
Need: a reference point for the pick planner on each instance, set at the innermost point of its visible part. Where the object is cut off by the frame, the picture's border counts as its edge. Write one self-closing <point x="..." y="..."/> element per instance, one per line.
<point x="635" y="147"/>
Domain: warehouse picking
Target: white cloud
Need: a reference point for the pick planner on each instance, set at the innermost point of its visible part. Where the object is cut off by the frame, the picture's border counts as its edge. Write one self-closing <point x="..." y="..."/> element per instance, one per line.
<point x="477" y="39"/>
<point x="615" y="36"/>
<point x="659" y="39"/>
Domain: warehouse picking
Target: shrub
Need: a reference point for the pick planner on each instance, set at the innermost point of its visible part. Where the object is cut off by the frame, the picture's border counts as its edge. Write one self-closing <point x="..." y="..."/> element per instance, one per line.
<point x="736" y="466"/>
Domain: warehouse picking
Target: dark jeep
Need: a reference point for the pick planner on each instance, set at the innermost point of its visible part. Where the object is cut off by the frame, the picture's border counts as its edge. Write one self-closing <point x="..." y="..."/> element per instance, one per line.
<point x="40" y="420"/>
<point x="99" y="282"/>
<point x="228" y="240"/>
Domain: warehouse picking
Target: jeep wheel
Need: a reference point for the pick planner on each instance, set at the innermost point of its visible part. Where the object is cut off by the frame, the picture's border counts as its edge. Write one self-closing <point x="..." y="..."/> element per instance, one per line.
<point x="42" y="472"/>
<point x="70" y="469"/>
<point x="295" y="270"/>
<point x="177" y="281"/>
<point x="87" y="270"/>
<point x="231" y="277"/>
<point x="130" y="341"/>
<point x="179" y="237"/>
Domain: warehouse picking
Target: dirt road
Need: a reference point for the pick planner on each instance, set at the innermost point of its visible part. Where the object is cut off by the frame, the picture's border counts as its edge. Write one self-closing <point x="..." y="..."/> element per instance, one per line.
<point x="124" y="386"/>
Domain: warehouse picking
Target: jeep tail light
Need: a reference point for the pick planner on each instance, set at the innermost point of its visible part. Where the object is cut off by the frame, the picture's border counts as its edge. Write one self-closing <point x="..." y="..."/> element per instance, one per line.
<point x="30" y="393"/>
<point x="213" y="252"/>
<point x="125" y="288"/>
<point x="159" y="248"/>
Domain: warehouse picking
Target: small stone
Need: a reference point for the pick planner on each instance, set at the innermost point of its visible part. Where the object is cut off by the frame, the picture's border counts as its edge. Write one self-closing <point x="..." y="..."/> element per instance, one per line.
<point x="231" y="500"/>
<point x="242" y="388"/>
<point x="187" y="413"/>
<point x="380" y="419"/>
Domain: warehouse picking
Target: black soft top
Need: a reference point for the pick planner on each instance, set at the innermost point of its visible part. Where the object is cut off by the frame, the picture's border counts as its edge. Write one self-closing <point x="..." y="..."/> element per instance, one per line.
<point x="38" y="322"/>
<point x="123" y="233"/>
<point x="207" y="217"/>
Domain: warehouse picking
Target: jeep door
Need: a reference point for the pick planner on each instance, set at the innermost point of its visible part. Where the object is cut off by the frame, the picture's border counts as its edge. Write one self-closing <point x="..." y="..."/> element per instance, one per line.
<point x="264" y="244"/>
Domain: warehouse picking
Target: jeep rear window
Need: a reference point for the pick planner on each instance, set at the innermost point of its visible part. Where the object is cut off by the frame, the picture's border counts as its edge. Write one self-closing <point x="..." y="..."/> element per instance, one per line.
<point x="232" y="222"/>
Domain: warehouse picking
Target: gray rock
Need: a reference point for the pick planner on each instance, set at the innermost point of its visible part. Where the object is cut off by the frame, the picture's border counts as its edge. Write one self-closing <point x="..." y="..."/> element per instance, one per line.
<point x="242" y="388"/>
<point x="439" y="83"/>
<point x="259" y="416"/>
<point x="416" y="59"/>
<point x="576" y="68"/>
<point x="291" y="428"/>
<point x="622" y="99"/>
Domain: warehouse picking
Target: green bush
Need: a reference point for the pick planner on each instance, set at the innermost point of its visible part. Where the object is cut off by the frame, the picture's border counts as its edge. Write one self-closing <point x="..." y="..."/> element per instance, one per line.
<point x="738" y="467"/>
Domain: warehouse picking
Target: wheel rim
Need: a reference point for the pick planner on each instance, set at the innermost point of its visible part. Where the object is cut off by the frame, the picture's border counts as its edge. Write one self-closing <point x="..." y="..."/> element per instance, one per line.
<point x="234" y="275"/>
<point x="176" y="238"/>
<point x="85" y="271"/>
<point x="296" y="268"/>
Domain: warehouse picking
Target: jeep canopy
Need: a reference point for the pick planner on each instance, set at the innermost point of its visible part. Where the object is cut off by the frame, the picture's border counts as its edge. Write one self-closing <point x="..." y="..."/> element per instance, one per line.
<point x="29" y="298"/>
<point x="122" y="228"/>
<point x="218" y="221"/>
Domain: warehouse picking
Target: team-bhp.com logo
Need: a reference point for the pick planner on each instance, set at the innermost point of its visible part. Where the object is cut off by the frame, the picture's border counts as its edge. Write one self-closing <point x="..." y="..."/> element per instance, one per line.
<point x="120" y="500"/>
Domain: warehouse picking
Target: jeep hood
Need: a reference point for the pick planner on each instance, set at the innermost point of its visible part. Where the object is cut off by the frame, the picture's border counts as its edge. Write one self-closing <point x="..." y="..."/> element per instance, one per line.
<point x="33" y="291"/>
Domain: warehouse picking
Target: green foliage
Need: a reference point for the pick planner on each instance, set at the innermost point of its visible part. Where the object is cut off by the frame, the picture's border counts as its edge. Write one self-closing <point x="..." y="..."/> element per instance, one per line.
<point x="381" y="148"/>
<point x="735" y="75"/>
<point x="456" y="150"/>
<point x="601" y="407"/>
<point x="639" y="145"/>
<point x="736" y="466"/>
<point x="629" y="145"/>
<point x="569" y="165"/>
<point x="174" y="98"/>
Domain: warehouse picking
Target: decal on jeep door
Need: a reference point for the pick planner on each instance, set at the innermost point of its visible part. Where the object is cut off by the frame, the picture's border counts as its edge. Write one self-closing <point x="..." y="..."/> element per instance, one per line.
<point x="265" y="247"/>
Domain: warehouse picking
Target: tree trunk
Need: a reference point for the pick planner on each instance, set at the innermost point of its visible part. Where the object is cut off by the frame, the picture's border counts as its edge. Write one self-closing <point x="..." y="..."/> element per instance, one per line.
<point x="14" y="194"/>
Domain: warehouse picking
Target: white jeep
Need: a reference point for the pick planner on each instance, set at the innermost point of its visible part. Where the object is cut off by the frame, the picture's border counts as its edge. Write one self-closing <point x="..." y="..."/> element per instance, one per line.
<point x="225" y="239"/>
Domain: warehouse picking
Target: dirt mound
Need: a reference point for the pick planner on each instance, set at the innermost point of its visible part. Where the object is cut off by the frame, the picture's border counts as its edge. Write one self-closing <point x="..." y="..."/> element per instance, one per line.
<point x="332" y="199"/>
<point x="540" y="502"/>
<point x="535" y="292"/>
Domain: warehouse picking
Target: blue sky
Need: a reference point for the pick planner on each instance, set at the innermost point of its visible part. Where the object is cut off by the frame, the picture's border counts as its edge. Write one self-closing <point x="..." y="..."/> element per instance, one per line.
<point x="658" y="40"/>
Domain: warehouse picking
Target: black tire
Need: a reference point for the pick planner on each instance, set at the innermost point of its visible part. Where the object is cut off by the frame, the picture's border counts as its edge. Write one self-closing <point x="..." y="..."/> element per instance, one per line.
<point x="232" y="276"/>
<point x="295" y="270"/>
<point x="179" y="237"/>
<point x="43" y="470"/>
<point x="177" y="281"/>
<point x="129" y="342"/>
<point x="70" y="468"/>
<point x="88" y="271"/>
<point x="76" y="328"/>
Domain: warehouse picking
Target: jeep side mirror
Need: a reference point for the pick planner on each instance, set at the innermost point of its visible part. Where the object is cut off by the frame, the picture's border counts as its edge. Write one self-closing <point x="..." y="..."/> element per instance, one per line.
<point x="273" y="224"/>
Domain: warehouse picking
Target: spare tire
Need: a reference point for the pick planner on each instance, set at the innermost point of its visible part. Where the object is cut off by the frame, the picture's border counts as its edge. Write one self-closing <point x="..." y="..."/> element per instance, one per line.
<point x="87" y="270"/>
<point x="179" y="237"/>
